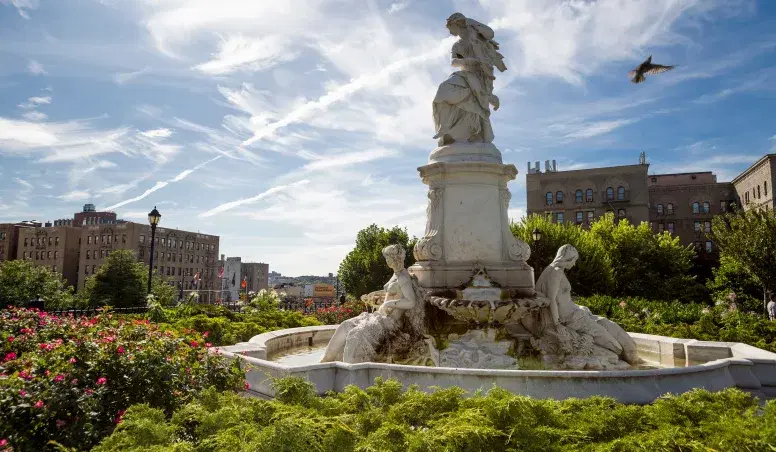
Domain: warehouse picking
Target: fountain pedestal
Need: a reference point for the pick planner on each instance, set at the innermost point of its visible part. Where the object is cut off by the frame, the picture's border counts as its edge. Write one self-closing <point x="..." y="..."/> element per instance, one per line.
<point x="467" y="222"/>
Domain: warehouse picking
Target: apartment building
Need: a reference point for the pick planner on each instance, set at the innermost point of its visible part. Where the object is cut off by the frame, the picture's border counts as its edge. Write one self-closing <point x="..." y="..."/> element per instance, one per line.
<point x="256" y="275"/>
<point x="9" y="238"/>
<point x="754" y="186"/>
<point x="178" y="255"/>
<point x="54" y="247"/>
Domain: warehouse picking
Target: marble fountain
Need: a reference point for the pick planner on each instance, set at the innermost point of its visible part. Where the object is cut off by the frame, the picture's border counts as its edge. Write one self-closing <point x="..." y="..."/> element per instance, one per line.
<point x="469" y="312"/>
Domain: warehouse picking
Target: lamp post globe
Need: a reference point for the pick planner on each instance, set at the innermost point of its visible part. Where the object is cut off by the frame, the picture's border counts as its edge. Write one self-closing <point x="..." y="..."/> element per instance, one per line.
<point x="537" y="234"/>
<point x="153" y="219"/>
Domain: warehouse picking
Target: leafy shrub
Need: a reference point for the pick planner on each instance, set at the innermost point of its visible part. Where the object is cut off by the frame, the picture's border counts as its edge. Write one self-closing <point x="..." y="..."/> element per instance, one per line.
<point x="387" y="418"/>
<point x="686" y="320"/>
<point x="70" y="379"/>
<point x="335" y="314"/>
<point x="21" y="281"/>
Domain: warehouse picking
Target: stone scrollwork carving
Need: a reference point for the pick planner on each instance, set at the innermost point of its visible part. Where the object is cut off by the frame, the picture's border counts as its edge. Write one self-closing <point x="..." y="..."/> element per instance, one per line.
<point x="429" y="248"/>
<point x="514" y="248"/>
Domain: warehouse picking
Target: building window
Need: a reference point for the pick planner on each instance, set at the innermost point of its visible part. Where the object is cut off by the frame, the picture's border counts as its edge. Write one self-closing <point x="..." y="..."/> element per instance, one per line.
<point x="696" y="207"/>
<point x="86" y="269"/>
<point x="142" y="239"/>
<point x="723" y="206"/>
<point x="621" y="193"/>
<point x="709" y="247"/>
<point x="141" y="253"/>
<point x="621" y="213"/>
<point x="88" y="254"/>
<point x="180" y="257"/>
<point x="758" y="192"/>
<point x="50" y="240"/>
<point x="48" y="255"/>
<point x="707" y="226"/>
<point x="697" y="226"/>
<point x="706" y="207"/>
<point x="94" y="268"/>
<point x="660" y="227"/>
<point x="670" y="227"/>
<point x="547" y="201"/>
<point x="25" y="242"/>
<point x="578" y="196"/>
<point x="746" y="197"/>
<point x="102" y="254"/>
<point x="609" y="194"/>
<point x="56" y="254"/>
<point x="670" y="208"/>
<point x="54" y="268"/>
<point x="559" y="217"/>
<point x="660" y="209"/>
<point x="37" y="255"/>
<point x="56" y="241"/>
<point x="590" y="217"/>
<point x="580" y="218"/>
<point x="765" y="188"/>
<point x="123" y="238"/>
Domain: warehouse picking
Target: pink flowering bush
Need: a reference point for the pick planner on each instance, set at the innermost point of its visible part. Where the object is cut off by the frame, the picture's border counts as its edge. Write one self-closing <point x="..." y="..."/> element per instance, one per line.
<point x="70" y="379"/>
<point x="334" y="314"/>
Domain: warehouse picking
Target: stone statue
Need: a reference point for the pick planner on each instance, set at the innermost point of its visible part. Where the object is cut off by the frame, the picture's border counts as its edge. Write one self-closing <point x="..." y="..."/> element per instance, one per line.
<point x="402" y="313"/>
<point x="461" y="106"/>
<point x="580" y="333"/>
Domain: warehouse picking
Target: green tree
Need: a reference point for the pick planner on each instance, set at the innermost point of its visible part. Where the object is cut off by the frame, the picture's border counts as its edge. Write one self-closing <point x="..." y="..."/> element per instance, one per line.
<point x="21" y="281"/>
<point x="593" y="272"/>
<point x="731" y="276"/>
<point x="749" y="238"/>
<point x="122" y="281"/>
<point x="364" y="269"/>
<point x="644" y="264"/>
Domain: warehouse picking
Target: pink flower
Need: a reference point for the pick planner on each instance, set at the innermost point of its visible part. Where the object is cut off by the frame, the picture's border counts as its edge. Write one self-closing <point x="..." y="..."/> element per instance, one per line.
<point x="120" y="416"/>
<point x="89" y="391"/>
<point x="25" y="331"/>
<point x="25" y="375"/>
<point x="39" y="404"/>
<point x="23" y="393"/>
<point x="44" y="346"/>
<point x="208" y="344"/>
<point x="194" y="343"/>
<point x="102" y="381"/>
<point x="11" y="338"/>
<point x="9" y="356"/>
<point x="72" y="360"/>
<point x="59" y="378"/>
<point x="623" y="304"/>
<point x="205" y="334"/>
<point x="60" y="423"/>
<point x="247" y="385"/>
<point x="120" y="350"/>
<point x="74" y="381"/>
<point x="3" y="442"/>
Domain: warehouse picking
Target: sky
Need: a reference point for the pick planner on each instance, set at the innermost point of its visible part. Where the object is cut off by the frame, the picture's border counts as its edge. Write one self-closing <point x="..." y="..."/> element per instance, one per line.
<point x="285" y="127"/>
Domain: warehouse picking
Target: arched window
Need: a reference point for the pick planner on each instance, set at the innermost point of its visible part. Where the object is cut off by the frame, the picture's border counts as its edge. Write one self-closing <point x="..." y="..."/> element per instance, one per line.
<point x="578" y="196"/>
<point x="746" y="196"/>
<point x="706" y="207"/>
<point x="696" y="207"/>
<point x="620" y="193"/>
<point x="758" y="192"/>
<point x="88" y="254"/>
<point x="589" y="195"/>
<point x="609" y="194"/>
<point x="660" y="209"/>
<point x="547" y="199"/>
<point x="765" y="188"/>
<point x="670" y="209"/>
<point x="559" y="197"/>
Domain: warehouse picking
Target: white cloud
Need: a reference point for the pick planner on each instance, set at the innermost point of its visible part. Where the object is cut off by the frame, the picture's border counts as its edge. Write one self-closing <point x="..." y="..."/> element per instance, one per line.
<point x="157" y="133"/>
<point x="159" y="185"/>
<point x="75" y="196"/>
<point x="33" y="102"/>
<point x="35" y="116"/>
<point x="241" y="202"/>
<point x="331" y="161"/>
<point x="23" y="182"/>
<point x="589" y="129"/>
<point x="22" y="6"/>
<point x="35" y="68"/>
<point x="238" y="53"/>
<point x="126" y="77"/>
<point x="398" y="6"/>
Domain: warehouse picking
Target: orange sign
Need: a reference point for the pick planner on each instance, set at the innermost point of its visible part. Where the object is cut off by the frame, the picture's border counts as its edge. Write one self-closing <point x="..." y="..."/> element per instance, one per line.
<point x="323" y="290"/>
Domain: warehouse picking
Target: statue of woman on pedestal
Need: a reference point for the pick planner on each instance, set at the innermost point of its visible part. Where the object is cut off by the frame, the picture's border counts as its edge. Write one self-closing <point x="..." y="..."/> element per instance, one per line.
<point x="567" y="317"/>
<point x="360" y="339"/>
<point x="461" y="106"/>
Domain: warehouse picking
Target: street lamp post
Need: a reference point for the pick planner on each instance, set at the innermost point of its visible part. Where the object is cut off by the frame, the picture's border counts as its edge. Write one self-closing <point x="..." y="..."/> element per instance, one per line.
<point x="153" y="219"/>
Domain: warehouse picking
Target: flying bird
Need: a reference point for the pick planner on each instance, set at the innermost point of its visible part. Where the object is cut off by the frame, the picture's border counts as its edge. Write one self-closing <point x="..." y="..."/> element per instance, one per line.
<point x="647" y="67"/>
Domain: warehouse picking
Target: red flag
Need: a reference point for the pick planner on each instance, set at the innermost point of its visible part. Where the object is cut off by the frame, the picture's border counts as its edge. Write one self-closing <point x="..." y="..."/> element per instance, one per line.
<point x="221" y="272"/>
<point x="244" y="283"/>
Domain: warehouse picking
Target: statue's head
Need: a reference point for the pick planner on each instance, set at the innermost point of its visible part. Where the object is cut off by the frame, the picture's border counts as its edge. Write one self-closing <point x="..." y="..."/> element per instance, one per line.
<point x="394" y="256"/>
<point x="566" y="257"/>
<point x="456" y="23"/>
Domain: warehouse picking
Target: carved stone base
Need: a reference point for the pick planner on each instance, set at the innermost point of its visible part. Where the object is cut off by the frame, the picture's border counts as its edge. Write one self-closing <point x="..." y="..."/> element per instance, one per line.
<point x="441" y="275"/>
<point x="465" y="152"/>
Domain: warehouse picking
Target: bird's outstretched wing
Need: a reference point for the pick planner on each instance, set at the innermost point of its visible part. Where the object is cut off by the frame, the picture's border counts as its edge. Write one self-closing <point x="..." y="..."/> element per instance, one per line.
<point x="633" y="73"/>
<point x="657" y="69"/>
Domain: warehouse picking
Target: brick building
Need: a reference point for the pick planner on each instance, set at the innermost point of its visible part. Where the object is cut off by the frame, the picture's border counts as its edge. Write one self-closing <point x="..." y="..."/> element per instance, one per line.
<point x="90" y="217"/>
<point x="256" y="275"/>
<point x="178" y="255"/>
<point x="53" y="247"/>
<point x="755" y="185"/>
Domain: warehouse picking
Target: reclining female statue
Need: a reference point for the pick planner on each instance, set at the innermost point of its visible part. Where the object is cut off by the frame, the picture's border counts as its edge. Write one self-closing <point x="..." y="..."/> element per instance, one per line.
<point x="564" y="313"/>
<point x="360" y="339"/>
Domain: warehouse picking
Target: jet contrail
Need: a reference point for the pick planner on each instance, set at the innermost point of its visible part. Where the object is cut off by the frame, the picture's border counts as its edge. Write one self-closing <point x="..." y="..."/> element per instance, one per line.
<point x="342" y="92"/>
<point x="160" y="185"/>
<point x="259" y="197"/>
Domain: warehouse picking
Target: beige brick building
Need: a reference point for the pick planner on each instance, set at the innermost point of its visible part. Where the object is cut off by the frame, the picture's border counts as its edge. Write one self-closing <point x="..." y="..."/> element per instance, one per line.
<point x="52" y="247"/>
<point x="256" y="275"/>
<point x="9" y="239"/>
<point x="178" y="255"/>
<point x="582" y="196"/>
<point x="755" y="185"/>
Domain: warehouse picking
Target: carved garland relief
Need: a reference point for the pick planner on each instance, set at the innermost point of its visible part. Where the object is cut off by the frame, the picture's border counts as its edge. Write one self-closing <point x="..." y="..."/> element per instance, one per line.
<point x="429" y="248"/>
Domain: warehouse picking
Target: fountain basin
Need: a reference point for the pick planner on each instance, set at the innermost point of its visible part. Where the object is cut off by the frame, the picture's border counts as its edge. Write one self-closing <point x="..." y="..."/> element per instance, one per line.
<point x="710" y="365"/>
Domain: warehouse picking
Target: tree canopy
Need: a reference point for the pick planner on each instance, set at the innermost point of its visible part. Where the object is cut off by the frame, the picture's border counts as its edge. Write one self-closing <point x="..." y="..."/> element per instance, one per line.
<point x="364" y="269"/>
<point x="22" y="281"/>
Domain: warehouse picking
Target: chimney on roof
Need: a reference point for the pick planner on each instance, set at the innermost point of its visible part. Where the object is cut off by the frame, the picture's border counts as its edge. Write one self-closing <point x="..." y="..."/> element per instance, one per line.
<point x="554" y="165"/>
<point x="547" y="166"/>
